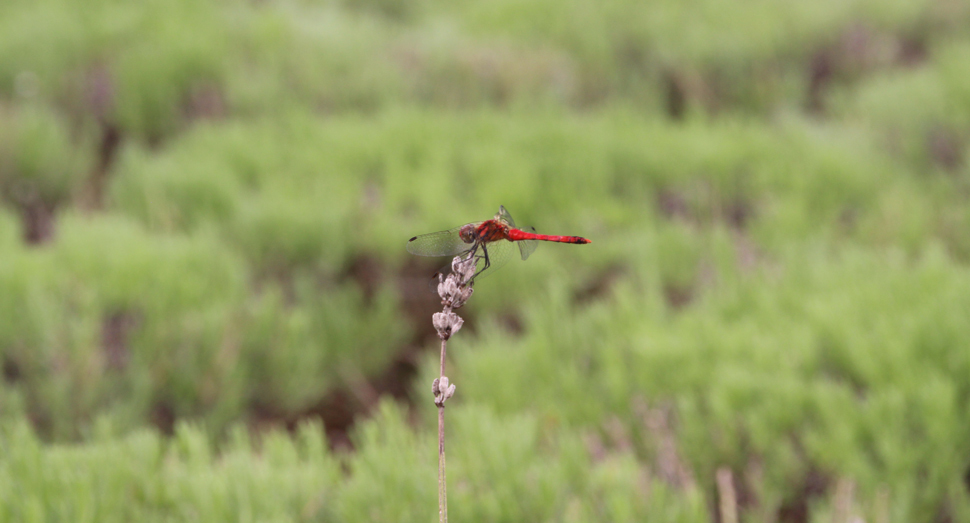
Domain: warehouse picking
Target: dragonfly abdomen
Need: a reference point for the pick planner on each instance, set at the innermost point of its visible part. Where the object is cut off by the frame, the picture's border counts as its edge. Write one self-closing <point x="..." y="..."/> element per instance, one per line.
<point x="519" y="235"/>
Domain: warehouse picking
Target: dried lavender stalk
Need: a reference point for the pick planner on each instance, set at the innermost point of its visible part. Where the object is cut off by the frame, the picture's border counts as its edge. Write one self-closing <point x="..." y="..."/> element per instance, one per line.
<point x="454" y="289"/>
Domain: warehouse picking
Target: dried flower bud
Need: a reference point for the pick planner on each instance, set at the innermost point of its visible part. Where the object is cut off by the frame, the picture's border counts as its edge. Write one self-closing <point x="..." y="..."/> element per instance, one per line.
<point x="442" y="390"/>
<point x="446" y="287"/>
<point x="455" y="288"/>
<point x="464" y="268"/>
<point x="446" y="323"/>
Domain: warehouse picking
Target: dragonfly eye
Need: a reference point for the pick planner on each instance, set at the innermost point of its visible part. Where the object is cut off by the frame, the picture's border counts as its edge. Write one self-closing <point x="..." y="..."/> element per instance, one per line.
<point x="467" y="233"/>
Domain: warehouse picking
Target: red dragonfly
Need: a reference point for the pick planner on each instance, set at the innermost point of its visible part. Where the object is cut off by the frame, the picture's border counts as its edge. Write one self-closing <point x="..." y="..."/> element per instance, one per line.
<point x="484" y="241"/>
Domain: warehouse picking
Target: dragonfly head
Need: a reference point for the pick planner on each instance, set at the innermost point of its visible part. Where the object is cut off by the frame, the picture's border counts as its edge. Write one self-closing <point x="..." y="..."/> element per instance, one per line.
<point x="467" y="233"/>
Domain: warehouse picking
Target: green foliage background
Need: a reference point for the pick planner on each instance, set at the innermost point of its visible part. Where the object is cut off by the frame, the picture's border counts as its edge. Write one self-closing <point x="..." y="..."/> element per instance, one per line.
<point x="207" y="312"/>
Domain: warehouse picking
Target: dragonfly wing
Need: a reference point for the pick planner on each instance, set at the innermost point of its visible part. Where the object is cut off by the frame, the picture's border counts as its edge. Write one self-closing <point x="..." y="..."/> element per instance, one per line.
<point x="442" y="243"/>
<point x="505" y="216"/>
<point x="527" y="247"/>
<point x="499" y="253"/>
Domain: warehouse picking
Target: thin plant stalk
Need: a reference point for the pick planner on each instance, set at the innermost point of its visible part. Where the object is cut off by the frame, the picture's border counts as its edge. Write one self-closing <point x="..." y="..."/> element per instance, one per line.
<point x="442" y="481"/>
<point x="454" y="289"/>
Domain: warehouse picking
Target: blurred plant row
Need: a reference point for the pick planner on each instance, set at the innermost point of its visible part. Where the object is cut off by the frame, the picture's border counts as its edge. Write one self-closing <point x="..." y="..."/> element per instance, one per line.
<point x="146" y="70"/>
<point x="841" y="371"/>
<point x="204" y="206"/>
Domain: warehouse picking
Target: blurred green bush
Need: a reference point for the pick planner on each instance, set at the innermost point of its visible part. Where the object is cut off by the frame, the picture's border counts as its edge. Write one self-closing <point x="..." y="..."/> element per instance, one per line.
<point x="203" y="208"/>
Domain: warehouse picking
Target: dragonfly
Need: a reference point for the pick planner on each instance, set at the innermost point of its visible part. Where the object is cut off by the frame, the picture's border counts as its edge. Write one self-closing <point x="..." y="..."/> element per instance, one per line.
<point x="490" y="242"/>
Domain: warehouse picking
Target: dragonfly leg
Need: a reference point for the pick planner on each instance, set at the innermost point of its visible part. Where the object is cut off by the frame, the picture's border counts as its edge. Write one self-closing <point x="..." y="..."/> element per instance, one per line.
<point x="484" y="255"/>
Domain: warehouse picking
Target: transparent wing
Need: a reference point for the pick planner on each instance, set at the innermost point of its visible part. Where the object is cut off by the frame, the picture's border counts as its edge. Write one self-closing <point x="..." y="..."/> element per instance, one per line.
<point x="442" y="243"/>
<point x="527" y="247"/>
<point x="505" y="216"/>
<point x="499" y="253"/>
